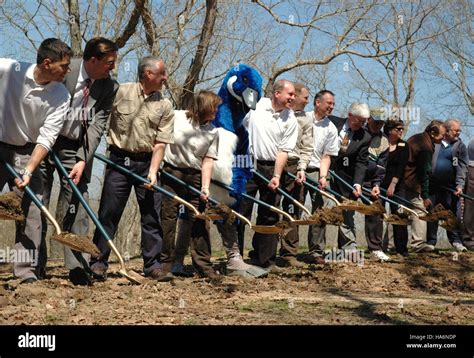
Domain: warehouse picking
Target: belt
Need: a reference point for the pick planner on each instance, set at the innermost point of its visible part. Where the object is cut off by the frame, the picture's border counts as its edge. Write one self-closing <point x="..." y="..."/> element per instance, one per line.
<point x="131" y="155"/>
<point x="18" y="147"/>
<point x="183" y="170"/>
<point x="67" y="142"/>
<point x="292" y="161"/>
<point x="311" y="170"/>
<point x="266" y="162"/>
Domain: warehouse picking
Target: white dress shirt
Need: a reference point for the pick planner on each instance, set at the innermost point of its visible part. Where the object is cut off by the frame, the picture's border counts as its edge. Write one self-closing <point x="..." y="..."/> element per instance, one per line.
<point x="270" y="132"/>
<point x="29" y="112"/>
<point x="72" y="126"/>
<point x="326" y="140"/>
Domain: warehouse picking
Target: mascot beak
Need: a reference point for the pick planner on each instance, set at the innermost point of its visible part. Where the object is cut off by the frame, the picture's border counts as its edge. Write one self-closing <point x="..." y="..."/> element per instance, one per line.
<point x="250" y="98"/>
<point x="249" y="95"/>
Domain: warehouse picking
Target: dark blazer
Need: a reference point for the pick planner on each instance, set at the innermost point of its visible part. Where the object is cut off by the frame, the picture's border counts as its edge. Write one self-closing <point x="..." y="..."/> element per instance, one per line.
<point x="103" y="93"/>
<point x="352" y="165"/>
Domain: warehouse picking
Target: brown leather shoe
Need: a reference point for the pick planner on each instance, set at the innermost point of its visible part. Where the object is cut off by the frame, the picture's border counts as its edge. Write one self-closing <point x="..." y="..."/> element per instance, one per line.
<point x="160" y="276"/>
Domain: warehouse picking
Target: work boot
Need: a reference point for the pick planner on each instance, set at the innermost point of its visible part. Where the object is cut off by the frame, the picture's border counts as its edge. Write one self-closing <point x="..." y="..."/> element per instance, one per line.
<point x="160" y="276"/>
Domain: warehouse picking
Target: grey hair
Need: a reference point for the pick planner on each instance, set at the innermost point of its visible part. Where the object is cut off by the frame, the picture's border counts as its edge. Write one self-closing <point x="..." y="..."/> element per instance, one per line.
<point x="449" y="122"/>
<point x="359" y="109"/>
<point x="145" y="63"/>
<point x="279" y="85"/>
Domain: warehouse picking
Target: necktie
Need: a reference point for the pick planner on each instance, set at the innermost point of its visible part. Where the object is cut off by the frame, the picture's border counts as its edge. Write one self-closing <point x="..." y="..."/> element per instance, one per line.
<point x="85" y="113"/>
<point x="345" y="140"/>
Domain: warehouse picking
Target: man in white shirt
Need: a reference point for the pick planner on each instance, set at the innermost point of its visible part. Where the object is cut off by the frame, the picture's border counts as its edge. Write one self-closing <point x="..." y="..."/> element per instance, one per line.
<point x="298" y="160"/>
<point x="33" y="107"/>
<point x="92" y="94"/>
<point x="326" y="144"/>
<point x="273" y="131"/>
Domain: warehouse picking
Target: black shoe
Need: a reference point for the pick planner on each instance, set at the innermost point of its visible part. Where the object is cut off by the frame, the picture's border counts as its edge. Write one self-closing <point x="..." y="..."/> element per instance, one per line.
<point x="79" y="277"/>
<point x="28" y="280"/>
<point x="99" y="273"/>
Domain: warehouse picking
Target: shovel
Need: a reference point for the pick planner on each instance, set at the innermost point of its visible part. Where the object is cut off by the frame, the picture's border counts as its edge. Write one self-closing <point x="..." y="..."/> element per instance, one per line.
<point x="285" y="194"/>
<point x="271" y="207"/>
<point x="140" y="179"/>
<point x="129" y="275"/>
<point x="395" y="219"/>
<point x="374" y="208"/>
<point x="330" y="216"/>
<point x="427" y="215"/>
<point x="263" y="229"/>
<point x="75" y="242"/>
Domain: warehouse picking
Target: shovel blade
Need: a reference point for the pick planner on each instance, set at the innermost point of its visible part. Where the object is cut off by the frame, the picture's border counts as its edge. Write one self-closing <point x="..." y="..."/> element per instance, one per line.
<point x="132" y="276"/>
<point x="264" y="229"/>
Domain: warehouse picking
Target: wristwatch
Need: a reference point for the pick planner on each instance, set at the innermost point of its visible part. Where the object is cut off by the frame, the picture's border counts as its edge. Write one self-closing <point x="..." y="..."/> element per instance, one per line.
<point x="27" y="173"/>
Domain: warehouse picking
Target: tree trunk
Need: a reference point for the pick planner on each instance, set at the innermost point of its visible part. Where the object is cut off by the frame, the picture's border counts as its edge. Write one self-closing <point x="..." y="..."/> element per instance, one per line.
<point x="201" y="52"/>
<point x="75" y="28"/>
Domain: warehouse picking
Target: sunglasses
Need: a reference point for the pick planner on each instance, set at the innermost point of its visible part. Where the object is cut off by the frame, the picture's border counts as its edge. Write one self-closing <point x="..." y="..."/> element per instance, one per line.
<point x="399" y="129"/>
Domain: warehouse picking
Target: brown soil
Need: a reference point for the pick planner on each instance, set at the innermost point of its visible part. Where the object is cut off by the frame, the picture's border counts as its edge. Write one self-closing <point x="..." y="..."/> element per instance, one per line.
<point x="326" y="216"/>
<point x="10" y="207"/>
<point x="420" y="289"/>
<point x="79" y="243"/>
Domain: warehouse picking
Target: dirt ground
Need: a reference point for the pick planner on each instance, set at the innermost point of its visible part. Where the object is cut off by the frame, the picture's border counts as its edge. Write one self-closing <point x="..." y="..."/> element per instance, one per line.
<point x="435" y="288"/>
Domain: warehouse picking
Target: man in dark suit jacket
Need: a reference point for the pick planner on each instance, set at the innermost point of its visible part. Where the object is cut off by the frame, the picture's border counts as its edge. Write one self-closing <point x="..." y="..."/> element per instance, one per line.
<point x="92" y="94"/>
<point x="351" y="164"/>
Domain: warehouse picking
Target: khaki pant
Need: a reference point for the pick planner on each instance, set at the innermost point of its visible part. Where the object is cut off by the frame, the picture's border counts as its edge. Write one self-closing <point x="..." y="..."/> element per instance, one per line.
<point x="418" y="227"/>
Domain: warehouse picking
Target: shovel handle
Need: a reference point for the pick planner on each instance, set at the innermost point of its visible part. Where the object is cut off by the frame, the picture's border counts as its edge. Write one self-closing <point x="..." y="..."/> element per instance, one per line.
<point x="453" y="191"/>
<point x="186" y="185"/>
<point x="78" y="193"/>
<point x="363" y="197"/>
<point x="255" y="200"/>
<point x="329" y="190"/>
<point x="405" y="201"/>
<point x="34" y="198"/>
<point x="146" y="181"/>
<point x="282" y="192"/>
<point x="367" y="190"/>
<point x="322" y="192"/>
<point x="27" y="189"/>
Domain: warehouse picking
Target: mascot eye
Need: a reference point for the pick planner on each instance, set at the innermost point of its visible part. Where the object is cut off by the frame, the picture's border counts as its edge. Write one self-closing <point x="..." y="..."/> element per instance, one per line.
<point x="245" y="79"/>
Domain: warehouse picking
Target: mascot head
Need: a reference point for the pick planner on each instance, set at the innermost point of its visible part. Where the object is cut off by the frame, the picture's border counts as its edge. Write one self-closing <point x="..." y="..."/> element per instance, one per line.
<point x="240" y="92"/>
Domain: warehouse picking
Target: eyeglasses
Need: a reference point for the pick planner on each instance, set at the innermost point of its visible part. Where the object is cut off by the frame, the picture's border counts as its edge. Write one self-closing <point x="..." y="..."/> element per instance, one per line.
<point x="399" y="129"/>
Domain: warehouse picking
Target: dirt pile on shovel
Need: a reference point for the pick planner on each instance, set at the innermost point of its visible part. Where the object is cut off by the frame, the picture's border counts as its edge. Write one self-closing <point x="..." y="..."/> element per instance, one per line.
<point x="397" y="219"/>
<point x="451" y="223"/>
<point x="78" y="243"/>
<point x="326" y="216"/>
<point x="10" y="207"/>
<point x="220" y="212"/>
<point x="375" y="209"/>
<point x="437" y="213"/>
<point x="285" y="226"/>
